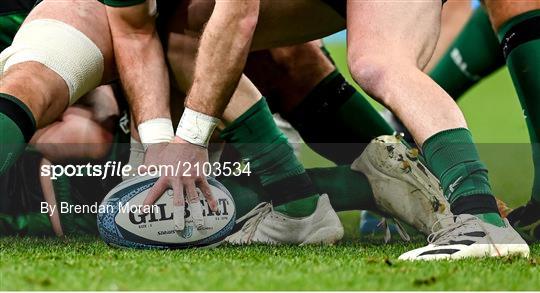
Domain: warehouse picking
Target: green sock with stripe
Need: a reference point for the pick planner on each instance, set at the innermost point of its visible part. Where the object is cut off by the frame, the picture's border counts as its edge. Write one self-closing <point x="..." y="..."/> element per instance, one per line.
<point x="259" y="141"/>
<point x="17" y="125"/>
<point x="473" y="55"/>
<point x="452" y="157"/>
<point x="520" y="38"/>
<point x="348" y="190"/>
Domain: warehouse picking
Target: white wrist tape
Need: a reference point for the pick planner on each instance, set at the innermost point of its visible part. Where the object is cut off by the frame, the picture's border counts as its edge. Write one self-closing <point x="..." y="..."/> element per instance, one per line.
<point x="156" y="131"/>
<point x="196" y="128"/>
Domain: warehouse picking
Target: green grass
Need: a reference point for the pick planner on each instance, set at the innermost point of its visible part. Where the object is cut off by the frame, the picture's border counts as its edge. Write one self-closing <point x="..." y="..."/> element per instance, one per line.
<point x="88" y="264"/>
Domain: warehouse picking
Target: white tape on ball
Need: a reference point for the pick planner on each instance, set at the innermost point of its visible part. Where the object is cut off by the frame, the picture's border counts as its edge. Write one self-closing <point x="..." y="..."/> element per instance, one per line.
<point x="156" y="131"/>
<point x="196" y="128"/>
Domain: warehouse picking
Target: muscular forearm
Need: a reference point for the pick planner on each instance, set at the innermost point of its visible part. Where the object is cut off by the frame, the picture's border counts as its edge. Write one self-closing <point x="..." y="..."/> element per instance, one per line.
<point x="143" y="72"/>
<point x="144" y="75"/>
<point x="223" y="51"/>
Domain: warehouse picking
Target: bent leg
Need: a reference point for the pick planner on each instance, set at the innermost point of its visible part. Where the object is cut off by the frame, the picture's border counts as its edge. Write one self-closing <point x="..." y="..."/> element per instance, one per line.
<point x="518" y="28"/>
<point x="37" y="81"/>
<point x="45" y="91"/>
<point x="389" y="67"/>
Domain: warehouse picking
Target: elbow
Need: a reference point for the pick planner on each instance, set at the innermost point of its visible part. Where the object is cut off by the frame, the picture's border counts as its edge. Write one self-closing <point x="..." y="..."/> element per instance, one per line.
<point x="246" y="26"/>
<point x="241" y="17"/>
<point x="248" y="23"/>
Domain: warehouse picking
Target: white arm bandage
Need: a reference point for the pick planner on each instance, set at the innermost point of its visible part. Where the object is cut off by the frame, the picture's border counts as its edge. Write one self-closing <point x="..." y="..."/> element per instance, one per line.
<point x="196" y="128"/>
<point x="61" y="48"/>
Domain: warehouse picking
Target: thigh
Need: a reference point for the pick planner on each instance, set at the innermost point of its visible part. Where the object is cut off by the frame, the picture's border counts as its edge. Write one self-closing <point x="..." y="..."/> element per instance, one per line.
<point x="284" y="23"/>
<point x="87" y="16"/>
<point x="408" y="29"/>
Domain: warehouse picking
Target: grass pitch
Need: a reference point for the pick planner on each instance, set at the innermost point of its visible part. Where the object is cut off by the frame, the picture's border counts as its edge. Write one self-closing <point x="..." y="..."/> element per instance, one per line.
<point x="494" y="115"/>
<point x="88" y="264"/>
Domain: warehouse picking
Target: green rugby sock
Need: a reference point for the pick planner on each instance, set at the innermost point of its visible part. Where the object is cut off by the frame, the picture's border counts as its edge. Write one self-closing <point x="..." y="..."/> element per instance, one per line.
<point x="17" y="125"/>
<point x="520" y="38"/>
<point x="259" y="141"/>
<point x="474" y="54"/>
<point x="348" y="190"/>
<point x="452" y="157"/>
<point x="336" y="121"/>
<point x="247" y="193"/>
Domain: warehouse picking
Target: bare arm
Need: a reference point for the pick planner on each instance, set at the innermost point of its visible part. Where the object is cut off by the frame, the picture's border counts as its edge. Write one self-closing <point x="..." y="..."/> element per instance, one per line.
<point x="223" y="51"/>
<point x="140" y="60"/>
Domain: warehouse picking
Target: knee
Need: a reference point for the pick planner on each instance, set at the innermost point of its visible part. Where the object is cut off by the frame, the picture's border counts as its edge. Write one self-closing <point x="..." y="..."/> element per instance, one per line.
<point x="42" y="90"/>
<point x="374" y="75"/>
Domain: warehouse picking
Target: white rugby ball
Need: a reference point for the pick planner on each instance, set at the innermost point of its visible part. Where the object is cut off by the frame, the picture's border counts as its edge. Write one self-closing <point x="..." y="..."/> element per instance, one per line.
<point x="122" y="223"/>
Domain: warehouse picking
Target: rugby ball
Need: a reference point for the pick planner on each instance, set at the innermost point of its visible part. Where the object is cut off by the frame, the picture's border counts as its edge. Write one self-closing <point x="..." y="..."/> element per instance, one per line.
<point x="122" y="223"/>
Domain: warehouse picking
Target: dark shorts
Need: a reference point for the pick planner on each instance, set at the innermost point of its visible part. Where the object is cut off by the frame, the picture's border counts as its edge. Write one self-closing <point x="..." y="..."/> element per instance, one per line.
<point x="340" y="6"/>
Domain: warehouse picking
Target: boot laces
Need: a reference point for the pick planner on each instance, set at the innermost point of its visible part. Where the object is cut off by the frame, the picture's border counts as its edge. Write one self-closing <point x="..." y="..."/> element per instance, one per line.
<point x="457" y="229"/>
<point x="399" y="228"/>
<point x="253" y="219"/>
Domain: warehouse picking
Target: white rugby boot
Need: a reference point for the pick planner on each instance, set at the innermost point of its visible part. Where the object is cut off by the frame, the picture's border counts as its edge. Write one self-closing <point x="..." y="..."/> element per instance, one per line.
<point x="402" y="186"/>
<point x="470" y="237"/>
<point x="264" y="225"/>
